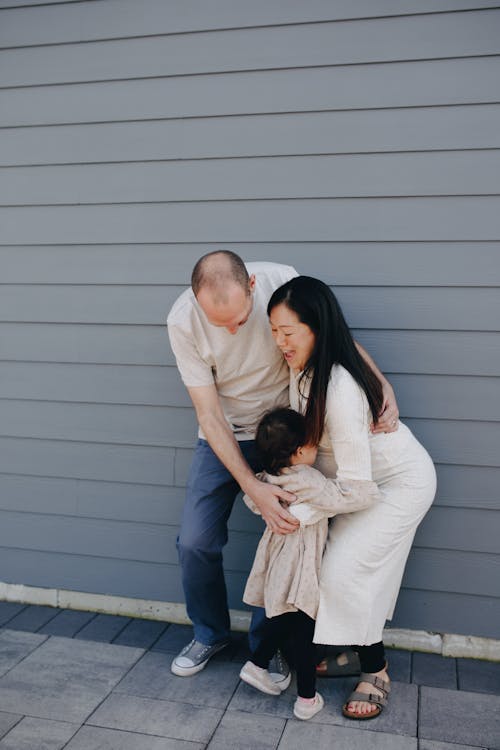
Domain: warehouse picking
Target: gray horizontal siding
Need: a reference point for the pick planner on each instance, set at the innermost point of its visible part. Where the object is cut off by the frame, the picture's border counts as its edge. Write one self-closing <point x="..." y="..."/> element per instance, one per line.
<point x="374" y="85"/>
<point x="122" y="18"/>
<point x="291" y="46"/>
<point x="358" y="141"/>
<point x="362" y="131"/>
<point x="257" y="178"/>
<point x="384" y="219"/>
<point x="474" y="309"/>
<point x="418" y="395"/>
<point x="340" y="264"/>
<point x="448" y="441"/>
<point x="430" y="352"/>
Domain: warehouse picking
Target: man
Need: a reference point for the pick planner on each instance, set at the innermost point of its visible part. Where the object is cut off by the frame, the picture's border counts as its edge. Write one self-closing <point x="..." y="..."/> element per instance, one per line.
<point x="234" y="373"/>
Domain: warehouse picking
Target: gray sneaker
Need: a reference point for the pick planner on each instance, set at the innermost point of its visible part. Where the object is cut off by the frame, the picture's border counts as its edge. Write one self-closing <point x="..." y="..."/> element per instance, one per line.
<point x="194" y="657"/>
<point x="280" y="671"/>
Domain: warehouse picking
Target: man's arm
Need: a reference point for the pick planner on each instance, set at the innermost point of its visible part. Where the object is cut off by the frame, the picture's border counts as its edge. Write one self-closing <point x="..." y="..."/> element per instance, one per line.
<point x="222" y="441"/>
<point x="389" y="415"/>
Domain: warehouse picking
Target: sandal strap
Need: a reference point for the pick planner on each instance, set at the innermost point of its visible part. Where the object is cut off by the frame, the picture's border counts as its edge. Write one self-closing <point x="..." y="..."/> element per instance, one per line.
<point x="377" y="682"/>
<point x="377" y="700"/>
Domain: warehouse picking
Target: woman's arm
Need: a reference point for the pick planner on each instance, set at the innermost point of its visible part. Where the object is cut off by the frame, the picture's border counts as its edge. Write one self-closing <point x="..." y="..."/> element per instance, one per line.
<point x="347" y="425"/>
<point x="319" y="497"/>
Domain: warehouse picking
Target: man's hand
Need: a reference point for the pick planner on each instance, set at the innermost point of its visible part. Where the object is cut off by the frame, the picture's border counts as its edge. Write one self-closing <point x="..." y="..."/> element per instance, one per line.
<point x="267" y="499"/>
<point x="389" y="414"/>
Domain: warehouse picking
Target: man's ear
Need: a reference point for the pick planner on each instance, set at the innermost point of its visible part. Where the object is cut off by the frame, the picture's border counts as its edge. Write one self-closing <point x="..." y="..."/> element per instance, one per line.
<point x="251" y="282"/>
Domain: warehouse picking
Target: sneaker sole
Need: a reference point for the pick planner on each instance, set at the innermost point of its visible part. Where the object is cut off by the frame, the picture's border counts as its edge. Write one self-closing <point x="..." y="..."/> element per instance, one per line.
<point x="258" y="686"/>
<point x="281" y="682"/>
<point x="188" y="671"/>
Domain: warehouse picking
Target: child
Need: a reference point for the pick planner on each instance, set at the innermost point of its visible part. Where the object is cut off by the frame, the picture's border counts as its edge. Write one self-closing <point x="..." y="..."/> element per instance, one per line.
<point x="284" y="576"/>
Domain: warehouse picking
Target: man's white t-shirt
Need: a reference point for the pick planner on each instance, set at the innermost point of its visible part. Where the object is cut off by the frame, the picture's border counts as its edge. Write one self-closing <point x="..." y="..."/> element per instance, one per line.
<point x="247" y="367"/>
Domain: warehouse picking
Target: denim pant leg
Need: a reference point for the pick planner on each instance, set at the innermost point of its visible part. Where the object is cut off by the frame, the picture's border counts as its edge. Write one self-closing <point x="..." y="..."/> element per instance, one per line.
<point x="210" y="495"/>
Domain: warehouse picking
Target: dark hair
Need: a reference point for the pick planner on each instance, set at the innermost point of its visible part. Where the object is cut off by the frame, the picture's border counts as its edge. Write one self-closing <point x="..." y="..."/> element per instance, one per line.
<point x="279" y="434"/>
<point x="215" y="269"/>
<point x="315" y="305"/>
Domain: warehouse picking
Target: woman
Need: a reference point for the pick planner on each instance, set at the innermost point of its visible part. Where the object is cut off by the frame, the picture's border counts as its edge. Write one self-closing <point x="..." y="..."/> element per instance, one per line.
<point x="366" y="551"/>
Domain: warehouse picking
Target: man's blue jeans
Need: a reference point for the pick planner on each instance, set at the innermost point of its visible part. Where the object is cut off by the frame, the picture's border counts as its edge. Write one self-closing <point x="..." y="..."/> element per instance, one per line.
<point x="210" y="495"/>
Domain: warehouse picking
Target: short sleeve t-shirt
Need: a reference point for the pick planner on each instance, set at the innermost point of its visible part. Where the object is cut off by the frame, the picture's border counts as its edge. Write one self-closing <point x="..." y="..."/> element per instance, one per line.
<point x="247" y="367"/>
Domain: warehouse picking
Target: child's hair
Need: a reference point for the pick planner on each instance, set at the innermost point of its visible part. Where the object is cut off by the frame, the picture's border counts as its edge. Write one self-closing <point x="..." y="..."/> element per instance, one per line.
<point x="279" y="434"/>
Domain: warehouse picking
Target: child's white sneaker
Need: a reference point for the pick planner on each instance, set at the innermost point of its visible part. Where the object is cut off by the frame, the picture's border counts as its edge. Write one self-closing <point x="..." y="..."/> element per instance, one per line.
<point x="304" y="710"/>
<point x="259" y="678"/>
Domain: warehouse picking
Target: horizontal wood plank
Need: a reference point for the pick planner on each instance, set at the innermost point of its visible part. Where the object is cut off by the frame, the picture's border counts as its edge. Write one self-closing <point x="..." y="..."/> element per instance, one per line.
<point x="431" y="396"/>
<point x="381" y="308"/>
<point x="142" y="503"/>
<point x="341" y="176"/>
<point x="430" y="352"/>
<point x="459" y="529"/>
<point x="353" y="263"/>
<point x="416" y="37"/>
<point x="350" y="131"/>
<point x="74" y="460"/>
<point x="102" y="423"/>
<point x="447" y="441"/>
<point x="474" y="218"/>
<point x="376" y="85"/>
<point x="118" y="18"/>
<point x="448" y="613"/>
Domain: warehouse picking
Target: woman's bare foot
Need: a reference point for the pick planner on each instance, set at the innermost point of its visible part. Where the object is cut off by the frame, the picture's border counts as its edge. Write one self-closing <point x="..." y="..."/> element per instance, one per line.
<point x="361" y="707"/>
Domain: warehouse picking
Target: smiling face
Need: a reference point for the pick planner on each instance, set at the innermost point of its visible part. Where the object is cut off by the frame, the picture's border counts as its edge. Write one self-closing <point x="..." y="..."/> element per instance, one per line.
<point x="295" y="339"/>
<point x="232" y="310"/>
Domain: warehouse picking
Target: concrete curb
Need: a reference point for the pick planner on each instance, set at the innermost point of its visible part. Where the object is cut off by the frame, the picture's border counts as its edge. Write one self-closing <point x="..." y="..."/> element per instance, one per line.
<point x="445" y="644"/>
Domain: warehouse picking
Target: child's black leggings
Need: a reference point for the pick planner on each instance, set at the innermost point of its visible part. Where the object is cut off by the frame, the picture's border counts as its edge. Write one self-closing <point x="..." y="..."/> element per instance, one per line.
<point x="298" y="628"/>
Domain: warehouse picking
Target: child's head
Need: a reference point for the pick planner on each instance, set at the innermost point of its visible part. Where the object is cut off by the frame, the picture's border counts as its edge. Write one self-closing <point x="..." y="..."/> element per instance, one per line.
<point x="281" y="440"/>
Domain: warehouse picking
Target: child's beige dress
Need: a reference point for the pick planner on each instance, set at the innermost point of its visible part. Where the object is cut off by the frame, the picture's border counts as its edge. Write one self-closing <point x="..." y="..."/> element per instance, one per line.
<point x="285" y="573"/>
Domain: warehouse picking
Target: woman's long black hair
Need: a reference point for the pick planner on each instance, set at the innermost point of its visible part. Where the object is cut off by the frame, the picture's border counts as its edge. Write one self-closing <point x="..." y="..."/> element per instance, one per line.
<point x="315" y="305"/>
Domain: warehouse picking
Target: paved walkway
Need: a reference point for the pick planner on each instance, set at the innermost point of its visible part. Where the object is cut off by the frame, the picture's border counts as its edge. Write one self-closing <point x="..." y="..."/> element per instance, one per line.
<point x="82" y="681"/>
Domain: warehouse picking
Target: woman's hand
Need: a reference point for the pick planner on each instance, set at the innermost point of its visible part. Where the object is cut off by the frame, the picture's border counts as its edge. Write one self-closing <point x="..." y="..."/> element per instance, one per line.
<point x="267" y="499"/>
<point x="389" y="414"/>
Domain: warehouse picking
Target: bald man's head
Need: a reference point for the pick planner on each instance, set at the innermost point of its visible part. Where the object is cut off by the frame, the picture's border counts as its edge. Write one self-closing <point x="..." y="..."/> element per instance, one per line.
<point x="223" y="288"/>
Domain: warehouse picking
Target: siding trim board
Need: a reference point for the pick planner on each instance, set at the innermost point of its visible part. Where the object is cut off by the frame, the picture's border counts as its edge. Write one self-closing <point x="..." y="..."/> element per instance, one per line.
<point x="358" y="141"/>
<point x="446" y="644"/>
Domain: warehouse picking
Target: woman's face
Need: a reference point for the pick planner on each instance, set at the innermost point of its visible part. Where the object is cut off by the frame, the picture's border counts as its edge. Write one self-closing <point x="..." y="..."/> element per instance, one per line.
<point x="295" y="339"/>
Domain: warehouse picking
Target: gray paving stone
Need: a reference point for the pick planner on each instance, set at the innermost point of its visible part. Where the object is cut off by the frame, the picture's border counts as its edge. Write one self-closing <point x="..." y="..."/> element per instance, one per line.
<point x="67" y="623"/>
<point x="249" y="700"/>
<point x="140" y="633"/>
<point x="432" y="745"/>
<point x="400" y="716"/>
<point x="32" y="618"/>
<point x="38" y="734"/>
<point x="479" y="676"/>
<point x="299" y="735"/>
<point x="151" y="678"/>
<point x="96" y="738"/>
<point x="460" y="717"/>
<point x="15" y="646"/>
<point x="434" y="671"/>
<point x="65" y="678"/>
<point x="8" y="610"/>
<point x="243" y="731"/>
<point x="399" y="664"/>
<point x="174" y="639"/>
<point x="104" y="628"/>
<point x="7" y="721"/>
<point x="179" y="721"/>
